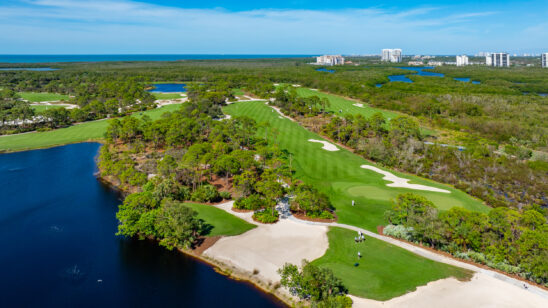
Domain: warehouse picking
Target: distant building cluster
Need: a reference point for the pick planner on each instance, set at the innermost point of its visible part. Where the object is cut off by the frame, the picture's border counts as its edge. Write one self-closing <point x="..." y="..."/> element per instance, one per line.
<point x="392" y="55"/>
<point x="330" y="60"/>
<point x="462" y="60"/>
<point x="500" y="59"/>
<point x="544" y="60"/>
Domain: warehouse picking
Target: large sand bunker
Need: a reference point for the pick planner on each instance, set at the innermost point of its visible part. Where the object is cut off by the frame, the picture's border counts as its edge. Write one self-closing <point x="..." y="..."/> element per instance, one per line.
<point x="401" y="182"/>
<point x="268" y="247"/>
<point x="482" y="291"/>
<point x="326" y="145"/>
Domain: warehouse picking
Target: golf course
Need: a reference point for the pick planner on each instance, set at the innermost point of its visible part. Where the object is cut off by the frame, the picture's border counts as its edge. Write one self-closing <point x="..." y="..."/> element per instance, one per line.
<point x="339" y="175"/>
<point x="87" y="131"/>
<point x="221" y="222"/>
<point x="35" y="97"/>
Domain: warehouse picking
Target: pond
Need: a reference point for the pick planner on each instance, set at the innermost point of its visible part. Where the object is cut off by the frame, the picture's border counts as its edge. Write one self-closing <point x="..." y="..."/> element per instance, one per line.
<point x="467" y="80"/>
<point x="325" y="70"/>
<point x="168" y="88"/>
<point x="58" y="225"/>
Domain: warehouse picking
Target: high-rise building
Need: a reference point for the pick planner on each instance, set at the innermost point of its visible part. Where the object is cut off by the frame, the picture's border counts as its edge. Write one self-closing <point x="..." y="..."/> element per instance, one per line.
<point x="462" y="60"/>
<point x="330" y="60"/>
<point x="500" y="59"/>
<point x="488" y="59"/>
<point x="544" y="59"/>
<point x="392" y="55"/>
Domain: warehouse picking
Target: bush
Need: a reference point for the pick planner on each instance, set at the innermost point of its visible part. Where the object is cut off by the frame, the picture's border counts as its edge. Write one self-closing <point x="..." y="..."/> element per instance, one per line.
<point x="253" y="202"/>
<point x="399" y="231"/>
<point x="205" y="193"/>
<point x="266" y="216"/>
<point x="225" y="195"/>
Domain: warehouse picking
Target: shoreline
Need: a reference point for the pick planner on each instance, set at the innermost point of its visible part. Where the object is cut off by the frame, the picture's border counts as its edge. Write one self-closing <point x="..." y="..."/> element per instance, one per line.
<point x="231" y="271"/>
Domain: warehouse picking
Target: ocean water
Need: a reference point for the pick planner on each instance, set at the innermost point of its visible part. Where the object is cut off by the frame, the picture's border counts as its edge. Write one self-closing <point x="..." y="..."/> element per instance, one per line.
<point x="101" y="58"/>
<point x="59" y="248"/>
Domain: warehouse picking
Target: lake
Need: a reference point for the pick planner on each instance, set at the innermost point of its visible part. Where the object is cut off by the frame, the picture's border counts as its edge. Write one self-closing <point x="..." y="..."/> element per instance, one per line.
<point x="58" y="225"/>
<point x="168" y="88"/>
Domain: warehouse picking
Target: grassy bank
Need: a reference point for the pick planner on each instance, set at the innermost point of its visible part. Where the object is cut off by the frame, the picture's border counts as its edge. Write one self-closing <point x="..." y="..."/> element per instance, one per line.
<point x="222" y="222"/>
<point x="167" y="95"/>
<point x="87" y="131"/>
<point x="384" y="271"/>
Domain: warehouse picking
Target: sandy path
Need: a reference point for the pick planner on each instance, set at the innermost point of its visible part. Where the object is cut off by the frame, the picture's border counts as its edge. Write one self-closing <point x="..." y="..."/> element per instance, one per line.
<point x="268" y="247"/>
<point x="481" y="291"/>
<point x="279" y="112"/>
<point x="326" y="145"/>
<point x="401" y="182"/>
<point x="358" y="105"/>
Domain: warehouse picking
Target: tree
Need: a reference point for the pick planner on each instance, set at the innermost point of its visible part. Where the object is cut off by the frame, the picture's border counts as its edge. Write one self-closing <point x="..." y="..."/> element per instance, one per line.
<point x="312" y="282"/>
<point x="129" y="213"/>
<point x="177" y="225"/>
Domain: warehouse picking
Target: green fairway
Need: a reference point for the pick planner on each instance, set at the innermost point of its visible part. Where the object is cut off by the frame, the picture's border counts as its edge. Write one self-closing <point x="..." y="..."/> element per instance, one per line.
<point x="339" y="175"/>
<point x="40" y="108"/>
<point x="167" y="95"/>
<point x="238" y="92"/>
<point x="35" y="97"/>
<point x="384" y="271"/>
<point x="222" y="222"/>
<point x="87" y="131"/>
<point x="339" y="103"/>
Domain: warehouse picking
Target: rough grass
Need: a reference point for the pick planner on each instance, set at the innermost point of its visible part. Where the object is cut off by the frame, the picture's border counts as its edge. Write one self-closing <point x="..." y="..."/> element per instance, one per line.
<point x="384" y="271"/>
<point x="222" y="222"/>
<point x="35" y="97"/>
<point x="87" y="131"/>
<point x="339" y="175"/>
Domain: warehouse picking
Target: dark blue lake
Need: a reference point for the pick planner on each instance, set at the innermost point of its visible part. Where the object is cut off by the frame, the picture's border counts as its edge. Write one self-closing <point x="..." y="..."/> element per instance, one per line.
<point x="420" y="71"/>
<point x="466" y="80"/>
<point x="168" y="88"/>
<point x="58" y="222"/>
<point x="400" y="78"/>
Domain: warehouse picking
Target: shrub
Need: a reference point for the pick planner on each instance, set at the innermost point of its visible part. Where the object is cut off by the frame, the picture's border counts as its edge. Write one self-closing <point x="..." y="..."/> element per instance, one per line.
<point x="266" y="216"/>
<point x="225" y="195"/>
<point x="399" y="231"/>
<point x="205" y="193"/>
<point x="253" y="202"/>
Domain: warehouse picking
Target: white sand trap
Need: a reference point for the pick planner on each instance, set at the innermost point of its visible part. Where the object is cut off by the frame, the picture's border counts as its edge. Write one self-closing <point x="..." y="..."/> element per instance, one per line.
<point x="358" y="105"/>
<point x="482" y="291"/>
<point x="314" y="90"/>
<point x="326" y="145"/>
<point x="268" y="247"/>
<point x="401" y="182"/>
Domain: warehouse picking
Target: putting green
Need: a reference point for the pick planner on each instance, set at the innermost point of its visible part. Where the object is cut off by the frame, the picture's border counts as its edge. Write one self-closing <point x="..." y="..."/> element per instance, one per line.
<point x="339" y="175"/>
<point x="87" y="131"/>
<point x="384" y="271"/>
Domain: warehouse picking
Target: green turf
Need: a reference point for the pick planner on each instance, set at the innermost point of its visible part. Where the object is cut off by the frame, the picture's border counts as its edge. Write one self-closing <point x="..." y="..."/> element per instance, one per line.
<point x="339" y="175"/>
<point x="167" y="95"/>
<point x="384" y="271"/>
<point x="238" y="92"/>
<point x="87" y="131"/>
<point x="42" y="97"/>
<point x="222" y="222"/>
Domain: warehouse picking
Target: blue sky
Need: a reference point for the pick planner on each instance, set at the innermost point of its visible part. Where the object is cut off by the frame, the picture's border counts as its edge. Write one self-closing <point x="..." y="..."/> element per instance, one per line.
<point x="277" y="27"/>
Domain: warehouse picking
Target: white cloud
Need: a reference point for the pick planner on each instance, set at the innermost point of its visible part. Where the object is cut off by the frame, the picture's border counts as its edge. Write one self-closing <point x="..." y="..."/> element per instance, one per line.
<point x="110" y="26"/>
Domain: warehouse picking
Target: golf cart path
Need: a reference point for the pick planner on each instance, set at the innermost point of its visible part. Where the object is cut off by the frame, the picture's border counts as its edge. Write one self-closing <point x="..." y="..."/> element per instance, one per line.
<point x="433" y="256"/>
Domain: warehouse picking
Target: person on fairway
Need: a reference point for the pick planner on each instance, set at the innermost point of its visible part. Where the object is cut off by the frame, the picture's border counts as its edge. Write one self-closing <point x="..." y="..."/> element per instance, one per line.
<point x="352" y="202"/>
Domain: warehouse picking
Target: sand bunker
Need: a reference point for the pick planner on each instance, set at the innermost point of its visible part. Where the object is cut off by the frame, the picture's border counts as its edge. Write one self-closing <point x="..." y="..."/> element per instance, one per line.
<point x="326" y="145"/>
<point x="481" y="291"/>
<point x="358" y="105"/>
<point x="268" y="247"/>
<point x="401" y="182"/>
